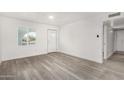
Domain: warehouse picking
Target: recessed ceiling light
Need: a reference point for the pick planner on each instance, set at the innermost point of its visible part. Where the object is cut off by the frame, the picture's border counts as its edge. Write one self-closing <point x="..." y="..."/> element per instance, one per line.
<point x="51" y="17"/>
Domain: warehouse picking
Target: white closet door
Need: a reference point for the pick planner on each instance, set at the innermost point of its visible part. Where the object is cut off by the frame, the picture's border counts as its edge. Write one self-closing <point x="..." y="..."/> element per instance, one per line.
<point x="52" y="41"/>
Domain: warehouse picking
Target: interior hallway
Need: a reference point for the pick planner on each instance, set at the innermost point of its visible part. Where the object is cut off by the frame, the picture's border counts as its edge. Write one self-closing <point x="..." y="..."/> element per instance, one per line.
<point x="60" y="66"/>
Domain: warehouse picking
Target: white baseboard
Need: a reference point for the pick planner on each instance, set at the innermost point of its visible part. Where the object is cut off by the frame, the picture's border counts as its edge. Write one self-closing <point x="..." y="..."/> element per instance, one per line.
<point x="79" y="57"/>
<point x="7" y="59"/>
<point x="120" y="52"/>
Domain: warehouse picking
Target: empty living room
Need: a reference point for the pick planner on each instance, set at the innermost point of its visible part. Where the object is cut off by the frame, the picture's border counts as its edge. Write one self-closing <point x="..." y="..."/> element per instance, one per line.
<point x="61" y="45"/>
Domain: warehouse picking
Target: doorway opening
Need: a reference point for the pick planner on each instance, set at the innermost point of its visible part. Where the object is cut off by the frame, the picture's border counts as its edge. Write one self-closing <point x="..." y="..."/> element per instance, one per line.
<point x="113" y="42"/>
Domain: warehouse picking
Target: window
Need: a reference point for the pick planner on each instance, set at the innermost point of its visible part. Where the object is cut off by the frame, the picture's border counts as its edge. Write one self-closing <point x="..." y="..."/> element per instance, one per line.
<point x="26" y="36"/>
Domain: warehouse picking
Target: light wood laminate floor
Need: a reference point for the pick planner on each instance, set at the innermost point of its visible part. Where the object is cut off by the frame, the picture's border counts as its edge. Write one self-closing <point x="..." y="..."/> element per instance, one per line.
<point x="59" y="66"/>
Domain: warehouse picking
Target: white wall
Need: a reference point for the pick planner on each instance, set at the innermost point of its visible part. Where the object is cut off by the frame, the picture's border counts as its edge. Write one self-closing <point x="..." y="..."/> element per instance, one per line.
<point x="10" y="48"/>
<point x="120" y="41"/>
<point x="80" y="38"/>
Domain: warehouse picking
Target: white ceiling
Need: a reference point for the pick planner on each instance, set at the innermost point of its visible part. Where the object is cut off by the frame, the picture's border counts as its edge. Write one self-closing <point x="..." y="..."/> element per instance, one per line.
<point x="61" y="18"/>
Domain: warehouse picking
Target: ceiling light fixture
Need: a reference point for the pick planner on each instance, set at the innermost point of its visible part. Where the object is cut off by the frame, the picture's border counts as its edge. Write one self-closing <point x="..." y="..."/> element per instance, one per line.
<point x="51" y="17"/>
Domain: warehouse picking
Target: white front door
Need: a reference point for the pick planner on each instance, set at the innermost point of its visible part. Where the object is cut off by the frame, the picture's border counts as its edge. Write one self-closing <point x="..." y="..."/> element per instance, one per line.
<point x="52" y="41"/>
